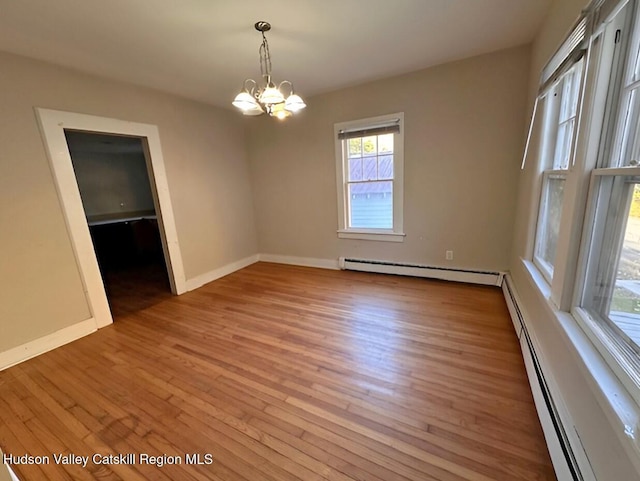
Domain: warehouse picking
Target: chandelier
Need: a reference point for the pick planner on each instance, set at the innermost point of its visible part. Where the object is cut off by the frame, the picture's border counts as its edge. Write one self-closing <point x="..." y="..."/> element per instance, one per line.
<point x="257" y="100"/>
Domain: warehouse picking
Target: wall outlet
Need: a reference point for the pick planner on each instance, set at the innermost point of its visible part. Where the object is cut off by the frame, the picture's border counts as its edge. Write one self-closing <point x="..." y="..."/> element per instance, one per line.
<point x="448" y="255"/>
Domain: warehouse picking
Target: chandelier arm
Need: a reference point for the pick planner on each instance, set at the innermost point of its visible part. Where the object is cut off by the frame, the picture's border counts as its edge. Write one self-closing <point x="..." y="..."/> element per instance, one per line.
<point x="290" y="86"/>
<point x="252" y="82"/>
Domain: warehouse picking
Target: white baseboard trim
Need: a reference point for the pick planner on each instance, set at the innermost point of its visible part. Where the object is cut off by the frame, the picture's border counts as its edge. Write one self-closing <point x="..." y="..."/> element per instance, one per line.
<point x="569" y="460"/>
<point x="211" y="276"/>
<point x="6" y="473"/>
<point x="510" y="297"/>
<point x="12" y="474"/>
<point x="47" y="343"/>
<point x="300" y="261"/>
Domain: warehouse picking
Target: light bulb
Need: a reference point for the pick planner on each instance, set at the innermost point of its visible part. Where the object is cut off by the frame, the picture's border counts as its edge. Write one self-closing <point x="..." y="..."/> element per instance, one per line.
<point x="278" y="111"/>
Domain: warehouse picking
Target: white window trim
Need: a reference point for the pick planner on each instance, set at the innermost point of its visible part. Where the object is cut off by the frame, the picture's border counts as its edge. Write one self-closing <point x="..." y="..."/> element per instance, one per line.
<point x="612" y="349"/>
<point x="396" y="234"/>
<point x="607" y="344"/>
<point x="609" y="388"/>
<point x="613" y="388"/>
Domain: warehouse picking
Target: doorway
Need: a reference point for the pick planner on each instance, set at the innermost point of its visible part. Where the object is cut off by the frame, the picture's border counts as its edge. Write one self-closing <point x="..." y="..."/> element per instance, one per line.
<point x="118" y="200"/>
<point x="54" y="127"/>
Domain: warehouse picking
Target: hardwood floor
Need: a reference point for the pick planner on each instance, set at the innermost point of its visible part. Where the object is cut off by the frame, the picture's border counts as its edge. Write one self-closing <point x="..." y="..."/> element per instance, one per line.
<point x="136" y="287"/>
<point x="288" y="373"/>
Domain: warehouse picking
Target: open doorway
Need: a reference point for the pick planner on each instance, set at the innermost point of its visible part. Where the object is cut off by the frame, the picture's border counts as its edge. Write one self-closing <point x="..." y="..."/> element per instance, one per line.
<point x="118" y="199"/>
<point x="54" y="125"/>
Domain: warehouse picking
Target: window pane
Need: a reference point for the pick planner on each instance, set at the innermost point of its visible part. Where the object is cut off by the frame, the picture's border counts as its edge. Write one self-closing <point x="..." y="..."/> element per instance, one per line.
<point x="624" y="309"/>
<point x="563" y="145"/>
<point x="627" y="150"/>
<point x="385" y="167"/>
<point x="355" y="169"/>
<point x="369" y="145"/>
<point x="371" y="205"/>
<point x="370" y="168"/>
<point x="567" y="104"/>
<point x="355" y="147"/>
<point x="575" y="91"/>
<point x="612" y="293"/>
<point x="385" y="143"/>
<point x="549" y="220"/>
<point x="633" y="157"/>
<point x="636" y="70"/>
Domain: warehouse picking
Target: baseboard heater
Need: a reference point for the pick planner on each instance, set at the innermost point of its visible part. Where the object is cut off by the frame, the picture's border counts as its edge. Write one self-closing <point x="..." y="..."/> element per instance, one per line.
<point x="417" y="270"/>
<point x="564" y="459"/>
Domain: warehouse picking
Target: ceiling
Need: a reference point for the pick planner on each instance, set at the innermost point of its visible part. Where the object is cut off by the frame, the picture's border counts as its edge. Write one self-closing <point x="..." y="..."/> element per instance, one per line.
<point x="204" y="49"/>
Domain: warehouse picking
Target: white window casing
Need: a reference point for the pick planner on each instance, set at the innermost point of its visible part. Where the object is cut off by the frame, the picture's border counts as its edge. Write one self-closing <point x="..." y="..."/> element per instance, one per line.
<point x="385" y="173"/>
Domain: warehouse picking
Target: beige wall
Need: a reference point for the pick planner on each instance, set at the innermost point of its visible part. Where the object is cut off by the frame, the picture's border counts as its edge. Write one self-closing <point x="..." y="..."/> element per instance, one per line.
<point x="463" y="142"/>
<point x="4" y="473"/>
<point x="605" y="453"/>
<point x="207" y="170"/>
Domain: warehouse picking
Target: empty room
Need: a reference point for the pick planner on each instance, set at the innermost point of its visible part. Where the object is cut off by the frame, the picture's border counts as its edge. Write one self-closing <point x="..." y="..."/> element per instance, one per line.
<point x="346" y="240"/>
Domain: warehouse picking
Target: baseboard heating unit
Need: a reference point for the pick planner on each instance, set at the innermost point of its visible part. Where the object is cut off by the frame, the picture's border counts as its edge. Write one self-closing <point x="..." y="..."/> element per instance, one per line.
<point x="562" y="454"/>
<point x="417" y="270"/>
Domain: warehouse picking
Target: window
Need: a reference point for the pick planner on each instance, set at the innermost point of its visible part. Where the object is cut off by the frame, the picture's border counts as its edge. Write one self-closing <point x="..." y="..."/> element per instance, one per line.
<point x="369" y="167"/>
<point x="561" y="106"/>
<point x="609" y="302"/>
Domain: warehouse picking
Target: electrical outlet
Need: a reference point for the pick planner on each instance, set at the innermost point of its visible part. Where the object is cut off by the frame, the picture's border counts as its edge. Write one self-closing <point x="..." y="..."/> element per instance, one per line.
<point x="449" y="255"/>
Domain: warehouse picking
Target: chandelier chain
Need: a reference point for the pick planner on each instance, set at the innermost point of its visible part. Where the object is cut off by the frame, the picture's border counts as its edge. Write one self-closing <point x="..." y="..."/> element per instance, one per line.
<point x="265" y="58"/>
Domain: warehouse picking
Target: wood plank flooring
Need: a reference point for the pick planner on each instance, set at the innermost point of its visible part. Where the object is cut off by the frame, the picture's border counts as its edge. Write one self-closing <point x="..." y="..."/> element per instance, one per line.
<point x="284" y="373"/>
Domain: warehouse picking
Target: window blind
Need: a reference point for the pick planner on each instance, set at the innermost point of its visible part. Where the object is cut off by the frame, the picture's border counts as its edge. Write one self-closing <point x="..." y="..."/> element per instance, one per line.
<point x="570" y="52"/>
<point x="379" y="129"/>
<point x="575" y="44"/>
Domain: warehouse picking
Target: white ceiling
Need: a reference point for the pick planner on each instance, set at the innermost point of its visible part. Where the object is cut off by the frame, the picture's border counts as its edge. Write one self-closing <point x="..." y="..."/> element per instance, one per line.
<point x="204" y="49"/>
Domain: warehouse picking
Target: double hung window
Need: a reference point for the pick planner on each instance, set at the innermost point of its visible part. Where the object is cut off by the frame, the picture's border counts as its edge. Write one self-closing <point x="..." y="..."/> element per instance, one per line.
<point x="369" y="161"/>
<point x="610" y="299"/>
<point x="561" y="108"/>
<point x="596" y="276"/>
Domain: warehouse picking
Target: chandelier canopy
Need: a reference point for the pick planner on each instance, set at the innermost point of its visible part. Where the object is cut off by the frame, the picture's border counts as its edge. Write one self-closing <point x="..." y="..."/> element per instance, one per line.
<point x="256" y="99"/>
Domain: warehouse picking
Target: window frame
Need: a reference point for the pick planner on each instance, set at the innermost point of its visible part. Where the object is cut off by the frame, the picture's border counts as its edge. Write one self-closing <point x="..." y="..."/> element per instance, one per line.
<point x="614" y="347"/>
<point x="606" y="53"/>
<point x="607" y="338"/>
<point x="395" y="233"/>
<point x="551" y="166"/>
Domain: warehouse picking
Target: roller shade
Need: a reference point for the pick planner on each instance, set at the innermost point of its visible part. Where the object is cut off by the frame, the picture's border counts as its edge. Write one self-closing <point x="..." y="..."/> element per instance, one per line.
<point x="575" y="44"/>
<point x="569" y="53"/>
<point x="392" y="127"/>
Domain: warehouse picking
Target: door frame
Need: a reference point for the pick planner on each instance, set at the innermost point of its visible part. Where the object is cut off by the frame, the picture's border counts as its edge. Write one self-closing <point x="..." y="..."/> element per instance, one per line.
<point x="52" y="126"/>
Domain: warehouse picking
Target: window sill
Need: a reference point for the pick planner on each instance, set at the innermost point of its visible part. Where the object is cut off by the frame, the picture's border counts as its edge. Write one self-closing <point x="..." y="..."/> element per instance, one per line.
<point x="371" y="235"/>
<point x="543" y="268"/>
<point x="621" y="410"/>
<point x="538" y="278"/>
